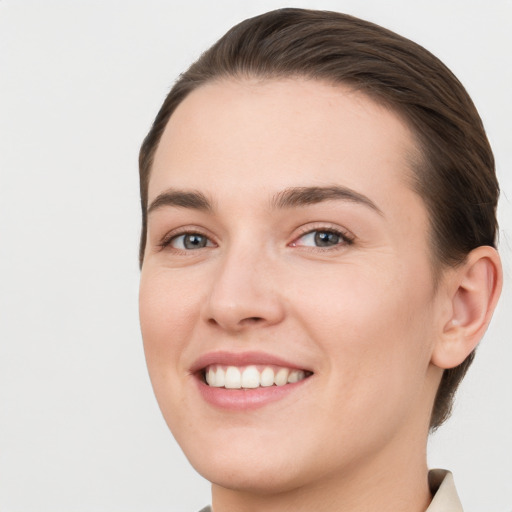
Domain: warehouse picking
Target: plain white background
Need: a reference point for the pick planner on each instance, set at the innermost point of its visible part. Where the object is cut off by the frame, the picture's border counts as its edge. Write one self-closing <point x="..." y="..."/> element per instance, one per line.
<point x="80" y="83"/>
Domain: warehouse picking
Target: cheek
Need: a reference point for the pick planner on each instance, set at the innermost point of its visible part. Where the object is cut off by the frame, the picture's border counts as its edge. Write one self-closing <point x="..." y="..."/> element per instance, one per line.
<point x="376" y="337"/>
<point x="165" y="318"/>
<point x="374" y="325"/>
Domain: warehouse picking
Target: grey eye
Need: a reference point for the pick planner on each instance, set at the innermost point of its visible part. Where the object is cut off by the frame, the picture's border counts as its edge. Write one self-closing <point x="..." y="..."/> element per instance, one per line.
<point x="326" y="238"/>
<point x="319" y="238"/>
<point x="190" y="241"/>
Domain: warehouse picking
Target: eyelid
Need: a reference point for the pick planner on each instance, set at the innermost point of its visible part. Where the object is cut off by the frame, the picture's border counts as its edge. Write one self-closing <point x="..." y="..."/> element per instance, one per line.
<point x="347" y="237"/>
<point x="166" y="240"/>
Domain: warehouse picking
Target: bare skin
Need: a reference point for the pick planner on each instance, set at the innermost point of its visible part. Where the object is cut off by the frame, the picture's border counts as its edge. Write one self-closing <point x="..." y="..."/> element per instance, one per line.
<point x="240" y="262"/>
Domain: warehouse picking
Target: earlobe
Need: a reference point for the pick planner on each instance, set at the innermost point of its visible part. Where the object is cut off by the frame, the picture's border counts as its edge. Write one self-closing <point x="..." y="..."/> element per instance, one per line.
<point x="474" y="289"/>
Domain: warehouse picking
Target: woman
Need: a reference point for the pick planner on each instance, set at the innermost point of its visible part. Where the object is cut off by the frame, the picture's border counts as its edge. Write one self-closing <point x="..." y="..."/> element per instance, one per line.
<point x="318" y="263"/>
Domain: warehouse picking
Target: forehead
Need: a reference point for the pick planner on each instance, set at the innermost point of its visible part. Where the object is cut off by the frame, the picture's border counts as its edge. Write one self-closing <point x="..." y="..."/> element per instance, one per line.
<point x="270" y="134"/>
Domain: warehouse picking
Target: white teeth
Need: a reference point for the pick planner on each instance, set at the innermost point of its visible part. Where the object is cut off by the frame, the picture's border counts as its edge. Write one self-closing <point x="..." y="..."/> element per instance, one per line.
<point x="267" y="377"/>
<point x="210" y="377"/>
<point x="220" y="378"/>
<point x="281" y="377"/>
<point x="233" y="378"/>
<point x="250" y="377"/>
<point x="295" y="376"/>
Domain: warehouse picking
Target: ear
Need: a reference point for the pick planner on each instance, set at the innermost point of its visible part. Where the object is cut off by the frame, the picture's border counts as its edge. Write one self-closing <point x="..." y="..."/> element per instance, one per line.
<point x="472" y="291"/>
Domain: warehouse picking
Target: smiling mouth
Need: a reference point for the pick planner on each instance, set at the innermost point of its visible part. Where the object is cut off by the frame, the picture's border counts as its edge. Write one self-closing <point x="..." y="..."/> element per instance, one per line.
<point x="251" y="377"/>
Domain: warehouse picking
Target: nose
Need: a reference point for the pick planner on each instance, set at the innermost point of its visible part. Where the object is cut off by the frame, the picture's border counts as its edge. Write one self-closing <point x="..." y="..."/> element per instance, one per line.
<point x="244" y="293"/>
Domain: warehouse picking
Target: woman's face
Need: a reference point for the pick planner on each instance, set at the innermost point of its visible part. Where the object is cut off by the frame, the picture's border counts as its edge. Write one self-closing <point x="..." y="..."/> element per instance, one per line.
<point x="284" y="242"/>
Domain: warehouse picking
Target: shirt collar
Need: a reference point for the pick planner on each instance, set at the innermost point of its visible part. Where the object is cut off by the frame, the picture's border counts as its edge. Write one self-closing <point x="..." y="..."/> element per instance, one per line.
<point x="443" y="489"/>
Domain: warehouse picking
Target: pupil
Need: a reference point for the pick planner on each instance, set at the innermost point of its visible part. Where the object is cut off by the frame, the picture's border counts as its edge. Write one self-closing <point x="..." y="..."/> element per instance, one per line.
<point x="194" y="241"/>
<point x="325" y="238"/>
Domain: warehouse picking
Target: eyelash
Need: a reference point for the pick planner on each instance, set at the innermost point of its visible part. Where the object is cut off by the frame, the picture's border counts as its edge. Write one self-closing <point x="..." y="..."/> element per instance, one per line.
<point x="345" y="238"/>
<point x="170" y="237"/>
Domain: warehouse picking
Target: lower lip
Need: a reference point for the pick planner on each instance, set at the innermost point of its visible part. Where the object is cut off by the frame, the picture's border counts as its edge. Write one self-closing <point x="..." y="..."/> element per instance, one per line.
<point x="245" y="399"/>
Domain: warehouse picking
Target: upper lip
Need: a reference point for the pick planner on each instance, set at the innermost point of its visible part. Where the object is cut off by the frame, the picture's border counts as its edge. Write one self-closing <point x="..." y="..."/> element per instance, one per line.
<point x="242" y="359"/>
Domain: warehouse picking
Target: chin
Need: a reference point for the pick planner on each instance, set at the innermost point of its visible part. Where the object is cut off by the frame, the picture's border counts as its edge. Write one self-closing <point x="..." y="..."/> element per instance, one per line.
<point x="247" y="463"/>
<point x="245" y="476"/>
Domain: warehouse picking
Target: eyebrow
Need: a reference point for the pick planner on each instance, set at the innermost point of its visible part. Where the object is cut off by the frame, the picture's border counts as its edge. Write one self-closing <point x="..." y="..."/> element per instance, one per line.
<point x="181" y="199"/>
<point x="293" y="197"/>
<point x="302" y="196"/>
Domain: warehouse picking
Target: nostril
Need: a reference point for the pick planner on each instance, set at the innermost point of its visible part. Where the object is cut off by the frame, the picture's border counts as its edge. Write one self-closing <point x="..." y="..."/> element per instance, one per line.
<point x="252" y="320"/>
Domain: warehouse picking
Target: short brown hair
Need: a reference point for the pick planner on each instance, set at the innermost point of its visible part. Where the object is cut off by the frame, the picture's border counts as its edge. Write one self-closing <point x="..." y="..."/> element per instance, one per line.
<point x="455" y="175"/>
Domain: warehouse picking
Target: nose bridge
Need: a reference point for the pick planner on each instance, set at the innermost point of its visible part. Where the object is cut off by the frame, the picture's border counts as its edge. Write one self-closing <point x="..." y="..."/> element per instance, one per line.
<point x="243" y="291"/>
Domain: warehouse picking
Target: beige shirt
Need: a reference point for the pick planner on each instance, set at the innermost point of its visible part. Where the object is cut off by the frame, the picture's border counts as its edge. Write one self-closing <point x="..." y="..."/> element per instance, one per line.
<point x="443" y="489"/>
